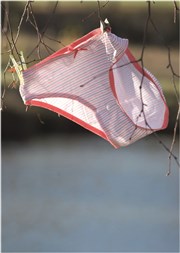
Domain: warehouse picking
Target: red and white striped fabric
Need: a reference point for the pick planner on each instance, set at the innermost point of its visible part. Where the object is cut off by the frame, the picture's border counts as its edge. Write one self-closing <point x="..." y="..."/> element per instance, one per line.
<point x="96" y="83"/>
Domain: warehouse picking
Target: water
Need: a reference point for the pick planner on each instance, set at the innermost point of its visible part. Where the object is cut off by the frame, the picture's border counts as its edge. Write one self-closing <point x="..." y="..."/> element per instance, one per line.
<point x="74" y="194"/>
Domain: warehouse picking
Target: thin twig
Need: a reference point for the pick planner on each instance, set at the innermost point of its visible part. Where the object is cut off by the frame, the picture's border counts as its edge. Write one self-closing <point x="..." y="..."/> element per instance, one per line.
<point x="51" y="16"/>
<point x="20" y="22"/>
<point x="170" y="66"/>
<point x="5" y="23"/>
<point x="4" y="79"/>
<point x="40" y="35"/>
<point x="95" y="12"/>
<point x="52" y="39"/>
<point x="173" y="141"/>
<point x="142" y="111"/>
<point x="176" y="10"/>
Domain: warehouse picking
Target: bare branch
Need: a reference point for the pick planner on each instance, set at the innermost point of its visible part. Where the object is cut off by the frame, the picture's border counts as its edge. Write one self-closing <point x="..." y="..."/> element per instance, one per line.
<point x="173" y="141"/>
<point x="176" y="10"/>
<point x="95" y="12"/>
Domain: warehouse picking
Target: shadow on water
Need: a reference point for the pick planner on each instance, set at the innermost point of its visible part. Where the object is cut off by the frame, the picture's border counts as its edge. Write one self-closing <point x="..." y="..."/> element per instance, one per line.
<point x="67" y="193"/>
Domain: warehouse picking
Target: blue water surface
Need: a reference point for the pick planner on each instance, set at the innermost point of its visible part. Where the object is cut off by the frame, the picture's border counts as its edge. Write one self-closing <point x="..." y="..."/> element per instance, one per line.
<point x="78" y="194"/>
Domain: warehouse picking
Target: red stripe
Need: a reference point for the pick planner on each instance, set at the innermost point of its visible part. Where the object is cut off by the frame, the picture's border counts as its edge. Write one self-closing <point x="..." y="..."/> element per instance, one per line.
<point x="70" y="117"/>
<point x="69" y="48"/>
<point x="139" y="68"/>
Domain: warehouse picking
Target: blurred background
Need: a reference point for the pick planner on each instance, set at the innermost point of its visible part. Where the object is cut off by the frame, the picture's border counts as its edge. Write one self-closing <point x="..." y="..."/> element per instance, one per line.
<point x="63" y="188"/>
